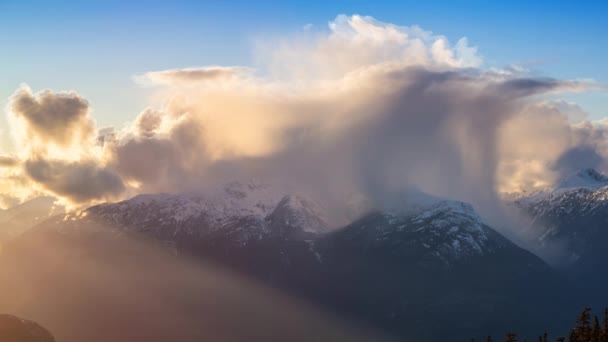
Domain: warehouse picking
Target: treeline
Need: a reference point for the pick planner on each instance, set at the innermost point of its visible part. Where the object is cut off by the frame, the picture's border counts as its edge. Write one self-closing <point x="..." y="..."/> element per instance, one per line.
<point x="586" y="330"/>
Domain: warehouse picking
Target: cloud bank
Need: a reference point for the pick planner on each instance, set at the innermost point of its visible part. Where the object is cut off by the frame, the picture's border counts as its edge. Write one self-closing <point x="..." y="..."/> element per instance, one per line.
<point x="362" y="107"/>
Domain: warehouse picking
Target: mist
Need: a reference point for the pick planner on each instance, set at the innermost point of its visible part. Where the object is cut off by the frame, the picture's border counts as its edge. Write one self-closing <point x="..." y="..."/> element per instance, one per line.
<point x="101" y="285"/>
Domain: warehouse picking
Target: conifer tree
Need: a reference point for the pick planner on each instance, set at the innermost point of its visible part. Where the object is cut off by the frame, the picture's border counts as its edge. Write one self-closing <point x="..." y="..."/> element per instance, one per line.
<point x="573" y="336"/>
<point x="596" y="333"/>
<point x="605" y="326"/>
<point x="583" y="329"/>
<point x="510" y="337"/>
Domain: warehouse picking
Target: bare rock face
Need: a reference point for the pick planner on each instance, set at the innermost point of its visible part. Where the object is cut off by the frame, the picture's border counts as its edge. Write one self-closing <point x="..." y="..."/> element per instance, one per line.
<point x="15" y="329"/>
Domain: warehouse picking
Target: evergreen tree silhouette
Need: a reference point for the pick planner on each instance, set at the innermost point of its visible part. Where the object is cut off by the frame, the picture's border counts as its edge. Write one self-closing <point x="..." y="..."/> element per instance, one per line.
<point x="604" y="337"/>
<point x="596" y="332"/>
<point x="584" y="331"/>
<point x="510" y="337"/>
<point x="583" y="328"/>
<point x="573" y="336"/>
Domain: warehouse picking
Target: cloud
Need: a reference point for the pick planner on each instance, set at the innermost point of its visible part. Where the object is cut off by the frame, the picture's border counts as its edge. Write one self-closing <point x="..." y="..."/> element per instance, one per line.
<point x="545" y="141"/>
<point x="57" y="152"/>
<point x="8" y="161"/>
<point x="525" y="86"/>
<point x="578" y="157"/>
<point x="372" y="132"/>
<point x="355" y="42"/>
<point x="148" y="122"/>
<point x="194" y="75"/>
<point x="573" y="112"/>
<point x="79" y="182"/>
<point x="363" y="107"/>
<point x="50" y="118"/>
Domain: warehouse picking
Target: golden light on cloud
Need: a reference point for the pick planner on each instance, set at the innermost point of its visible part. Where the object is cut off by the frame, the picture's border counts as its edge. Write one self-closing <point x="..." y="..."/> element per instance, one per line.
<point x="366" y="100"/>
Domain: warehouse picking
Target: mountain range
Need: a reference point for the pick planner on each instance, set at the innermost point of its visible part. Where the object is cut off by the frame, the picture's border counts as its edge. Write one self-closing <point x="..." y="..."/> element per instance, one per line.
<point x="402" y="272"/>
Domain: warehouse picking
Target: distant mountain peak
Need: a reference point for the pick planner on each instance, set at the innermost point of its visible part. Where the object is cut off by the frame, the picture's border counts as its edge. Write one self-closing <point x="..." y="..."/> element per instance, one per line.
<point x="18" y="219"/>
<point x="247" y="211"/>
<point x="584" y="178"/>
<point x="415" y="203"/>
<point x="294" y="211"/>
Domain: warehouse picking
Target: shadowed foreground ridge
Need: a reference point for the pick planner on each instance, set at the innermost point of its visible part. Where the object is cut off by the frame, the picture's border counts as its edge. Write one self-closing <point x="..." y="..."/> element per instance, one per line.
<point x="15" y="329"/>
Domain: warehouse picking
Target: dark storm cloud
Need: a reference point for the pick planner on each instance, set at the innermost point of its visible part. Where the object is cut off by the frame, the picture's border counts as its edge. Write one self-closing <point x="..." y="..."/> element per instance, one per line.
<point x="390" y="129"/>
<point x="578" y="157"/>
<point x="80" y="181"/>
<point x="172" y="161"/>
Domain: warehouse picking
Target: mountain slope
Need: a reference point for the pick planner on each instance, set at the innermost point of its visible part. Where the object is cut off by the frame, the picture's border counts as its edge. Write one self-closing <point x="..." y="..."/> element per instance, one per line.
<point x="16" y="220"/>
<point x="15" y="329"/>
<point x="404" y="271"/>
<point x="242" y="207"/>
<point x="438" y="267"/>
<point x="572" y="219"/>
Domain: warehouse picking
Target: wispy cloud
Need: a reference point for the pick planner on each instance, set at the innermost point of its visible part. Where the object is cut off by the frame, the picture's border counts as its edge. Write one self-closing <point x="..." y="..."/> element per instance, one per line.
<point x="192" y="75"/>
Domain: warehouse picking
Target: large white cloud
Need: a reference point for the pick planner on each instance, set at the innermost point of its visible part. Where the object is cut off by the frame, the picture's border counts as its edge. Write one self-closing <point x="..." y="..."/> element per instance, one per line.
<point x="363" y="107"/>
<point x="355" y="42"/>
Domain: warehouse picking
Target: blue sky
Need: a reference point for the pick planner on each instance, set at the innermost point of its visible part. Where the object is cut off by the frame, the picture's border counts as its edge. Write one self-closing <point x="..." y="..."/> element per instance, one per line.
<point x="96" y="47"/>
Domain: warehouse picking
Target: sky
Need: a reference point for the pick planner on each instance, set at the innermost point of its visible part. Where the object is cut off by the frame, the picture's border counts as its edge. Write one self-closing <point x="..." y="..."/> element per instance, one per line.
<point x="96" y="46"/>
<point x="228" y="82"/>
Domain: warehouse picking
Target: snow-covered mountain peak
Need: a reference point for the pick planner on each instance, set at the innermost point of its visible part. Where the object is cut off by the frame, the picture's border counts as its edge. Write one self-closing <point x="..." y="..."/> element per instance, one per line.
<point x="448" y="207"/>
<point x="584" y="186"/>
<point x="585" y="178"/>
<point x="420" y="205"/>
<point x="218" y="204"/>
<point x="438" y="230"/>
<point x="244" y="210"/>
<point x="297" y="212"/>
